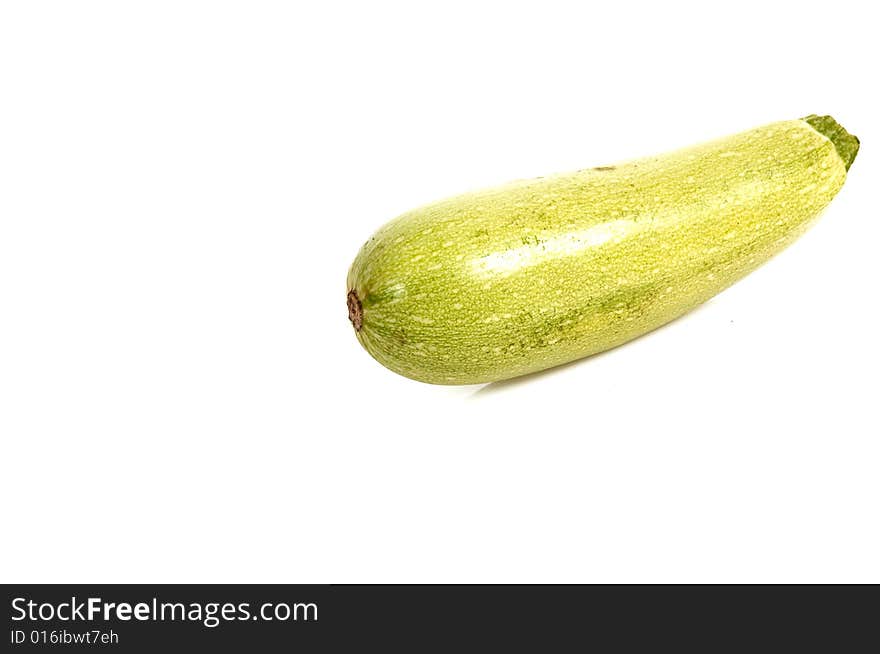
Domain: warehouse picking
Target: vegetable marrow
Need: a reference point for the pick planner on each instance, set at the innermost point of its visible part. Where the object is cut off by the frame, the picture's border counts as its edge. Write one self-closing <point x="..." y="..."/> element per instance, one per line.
<point x="507" y="281"/>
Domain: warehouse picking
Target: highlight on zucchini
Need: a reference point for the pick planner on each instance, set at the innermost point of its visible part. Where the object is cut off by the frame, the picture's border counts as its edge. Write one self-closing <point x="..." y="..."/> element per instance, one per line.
<point x="507" y="281"/>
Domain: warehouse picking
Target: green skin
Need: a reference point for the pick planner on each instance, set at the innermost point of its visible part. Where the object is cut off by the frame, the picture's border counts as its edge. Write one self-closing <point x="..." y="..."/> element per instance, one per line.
<point x="512" y="280"/>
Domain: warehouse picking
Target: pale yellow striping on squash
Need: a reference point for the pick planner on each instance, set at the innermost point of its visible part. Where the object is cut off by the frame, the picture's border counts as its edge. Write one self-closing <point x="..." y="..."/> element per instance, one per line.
<point x="511" y="280"/>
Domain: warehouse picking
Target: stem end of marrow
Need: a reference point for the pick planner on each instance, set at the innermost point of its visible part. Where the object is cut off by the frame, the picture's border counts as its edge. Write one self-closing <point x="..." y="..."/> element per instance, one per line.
<point x="846" y="144"/>
<point x="355" y="311"/>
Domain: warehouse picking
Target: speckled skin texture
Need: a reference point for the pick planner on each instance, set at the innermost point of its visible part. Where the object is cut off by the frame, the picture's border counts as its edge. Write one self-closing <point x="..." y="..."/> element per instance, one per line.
<point x="512" y="280"/>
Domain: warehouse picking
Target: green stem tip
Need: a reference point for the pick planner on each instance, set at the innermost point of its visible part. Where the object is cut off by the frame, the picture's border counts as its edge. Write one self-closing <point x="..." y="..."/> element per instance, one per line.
<point x="846" y="144"/>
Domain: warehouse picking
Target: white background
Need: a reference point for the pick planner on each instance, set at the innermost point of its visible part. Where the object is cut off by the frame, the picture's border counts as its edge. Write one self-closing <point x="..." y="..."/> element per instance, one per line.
<point x="182" y="189"/>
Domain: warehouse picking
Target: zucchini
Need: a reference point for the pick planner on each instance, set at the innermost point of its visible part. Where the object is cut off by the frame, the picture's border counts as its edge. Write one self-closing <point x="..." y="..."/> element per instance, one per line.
<point x="507" y="281"/>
